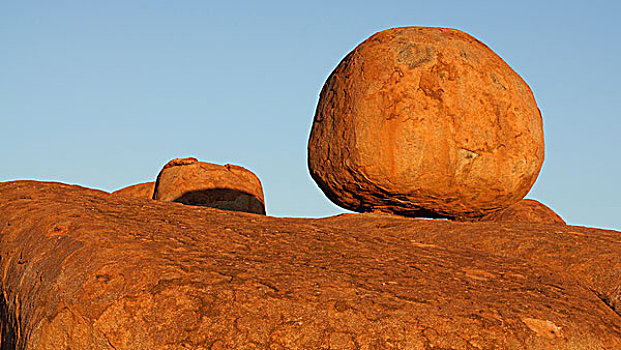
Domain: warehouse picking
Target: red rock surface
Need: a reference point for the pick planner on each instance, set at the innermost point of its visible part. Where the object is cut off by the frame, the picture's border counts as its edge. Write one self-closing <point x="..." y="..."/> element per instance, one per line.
<point x="228" y="187"/>
<point x="425" y="122"/>
<point x="85" y="270"/>
<point x="139" y="191"/>
<point x="526" y="210"/>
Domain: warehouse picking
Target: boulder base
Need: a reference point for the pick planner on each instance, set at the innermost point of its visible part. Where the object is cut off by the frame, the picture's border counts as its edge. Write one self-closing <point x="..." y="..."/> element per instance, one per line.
<point x="526" y="210"/>
<point x="425" y="122"/>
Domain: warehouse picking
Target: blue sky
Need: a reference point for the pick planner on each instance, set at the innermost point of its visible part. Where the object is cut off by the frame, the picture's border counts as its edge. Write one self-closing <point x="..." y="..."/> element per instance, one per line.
<point x="102" y="94"/>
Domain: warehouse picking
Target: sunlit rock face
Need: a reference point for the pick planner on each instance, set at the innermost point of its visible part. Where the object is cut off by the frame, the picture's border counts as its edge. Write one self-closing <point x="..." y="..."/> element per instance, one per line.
<point x="425" y="122"/>
<point x="83" y="269"/>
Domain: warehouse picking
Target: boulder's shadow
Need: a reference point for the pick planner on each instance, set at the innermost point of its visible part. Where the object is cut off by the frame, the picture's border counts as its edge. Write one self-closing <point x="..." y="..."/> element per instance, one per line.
<point x="223" y="198"/>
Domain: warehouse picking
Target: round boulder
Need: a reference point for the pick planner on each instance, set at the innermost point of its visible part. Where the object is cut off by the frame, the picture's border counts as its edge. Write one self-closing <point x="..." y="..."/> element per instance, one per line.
<point x="526" y="210"/>
<point x="138" y="191"/>
<point x="425" y="122"/>
<point x="228" y="187"/>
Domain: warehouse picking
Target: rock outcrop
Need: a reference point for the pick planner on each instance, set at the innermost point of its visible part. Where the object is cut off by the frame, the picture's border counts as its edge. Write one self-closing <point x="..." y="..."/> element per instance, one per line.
<point x="139" y="191"/>
<point x="228" y="187"/>
<point x="86" y="270"/>
<point x="526" y="210"/>
<point x="425" y="122"/>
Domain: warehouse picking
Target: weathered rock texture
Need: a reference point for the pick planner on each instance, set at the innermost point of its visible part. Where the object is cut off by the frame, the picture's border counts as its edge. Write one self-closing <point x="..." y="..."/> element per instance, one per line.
<point x="526" y="210"/>
<point x="85" y="270"/>
<point x="140" y="191"/>
<point x="425" y="122"/>
<point x="228" y="187"/>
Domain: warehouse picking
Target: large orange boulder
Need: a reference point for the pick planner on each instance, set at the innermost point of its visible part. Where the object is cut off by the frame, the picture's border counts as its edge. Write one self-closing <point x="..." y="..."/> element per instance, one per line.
<point x="139" y="191"/>
<point x="526" y="210"/>
<point x="425" y="122"/>
<point x="228" y="187"/>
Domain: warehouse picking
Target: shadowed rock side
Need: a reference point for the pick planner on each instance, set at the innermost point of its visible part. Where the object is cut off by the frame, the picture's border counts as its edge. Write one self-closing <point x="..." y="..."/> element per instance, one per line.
<point x="425" y="122"/>
<point x="223" y="198"/>
<point x="228" y="187"/>
<point x="526" y="210"/>
<point x="83" y="270"/>
<point x="140" y="191"/>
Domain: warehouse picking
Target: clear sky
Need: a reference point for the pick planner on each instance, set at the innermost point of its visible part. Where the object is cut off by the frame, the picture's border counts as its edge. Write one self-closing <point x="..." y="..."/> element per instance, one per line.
<point x="104" y="93"/>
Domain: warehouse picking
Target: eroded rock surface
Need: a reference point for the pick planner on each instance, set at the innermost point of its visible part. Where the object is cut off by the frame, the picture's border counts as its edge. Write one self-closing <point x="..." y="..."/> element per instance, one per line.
<point x="425" y="122"/>
<point x="526" y="210"/>
<point x="86" y="270"/>
<point x="228" y="187"/>
<point x="139" y="191"/>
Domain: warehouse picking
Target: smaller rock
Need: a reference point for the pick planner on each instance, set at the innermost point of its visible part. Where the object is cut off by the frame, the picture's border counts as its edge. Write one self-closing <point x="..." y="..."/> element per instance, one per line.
<point x="138" y="191"/>
<point x="228" y="187"/>
<point x="526" y="210"/>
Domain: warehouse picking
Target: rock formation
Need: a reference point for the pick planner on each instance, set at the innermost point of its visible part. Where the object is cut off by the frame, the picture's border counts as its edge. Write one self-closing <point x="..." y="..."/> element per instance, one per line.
<point x="142" y="190"/>
<point x="86" y="270"/>
<point x="526" y="210"/>
<point x="425" y="122"/>
<point x="228" y="187"/>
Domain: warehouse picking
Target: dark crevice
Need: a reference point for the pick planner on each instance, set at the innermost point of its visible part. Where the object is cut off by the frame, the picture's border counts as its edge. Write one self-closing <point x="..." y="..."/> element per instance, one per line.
<point x="109" y="342"/>
<point x="8" y="325"/>
<point x="607" y="301"/>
